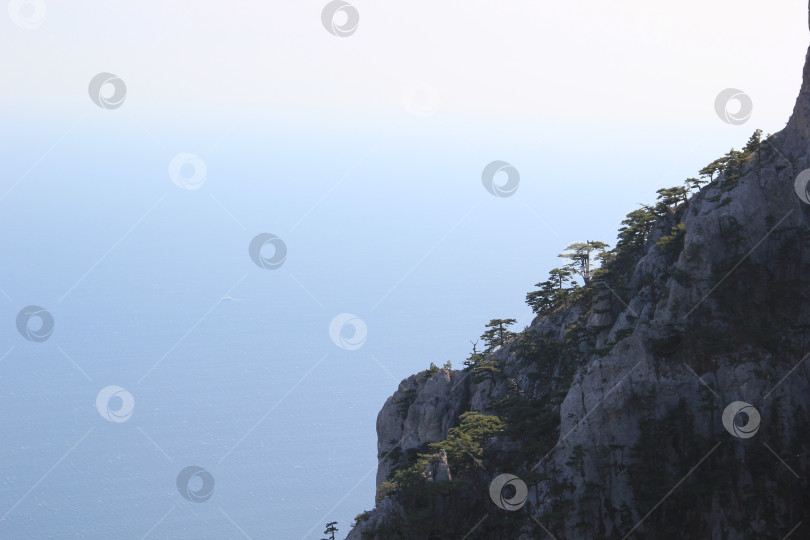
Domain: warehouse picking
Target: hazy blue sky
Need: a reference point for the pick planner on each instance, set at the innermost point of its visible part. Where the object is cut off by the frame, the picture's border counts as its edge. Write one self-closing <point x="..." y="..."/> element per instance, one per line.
<point x="364" y="154"/>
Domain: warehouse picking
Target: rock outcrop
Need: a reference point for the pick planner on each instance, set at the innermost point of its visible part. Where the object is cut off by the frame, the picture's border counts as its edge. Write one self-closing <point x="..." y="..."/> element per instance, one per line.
<point x="438" y="470"/>
<point x="618" y="404"/>
<point x="421" y="411"/>
<point x="797" y="133"/>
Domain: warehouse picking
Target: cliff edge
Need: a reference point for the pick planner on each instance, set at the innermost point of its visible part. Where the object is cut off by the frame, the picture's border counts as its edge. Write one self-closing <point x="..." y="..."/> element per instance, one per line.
<point x="668" y="397"/>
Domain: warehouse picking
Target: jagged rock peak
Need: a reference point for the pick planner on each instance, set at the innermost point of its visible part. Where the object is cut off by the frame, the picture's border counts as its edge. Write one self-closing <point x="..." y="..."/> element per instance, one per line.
<point x="797" y="132"/>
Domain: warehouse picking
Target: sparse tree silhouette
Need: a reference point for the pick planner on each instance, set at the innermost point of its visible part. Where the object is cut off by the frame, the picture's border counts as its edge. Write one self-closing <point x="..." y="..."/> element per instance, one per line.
<point x="498" y="334"/>
<point x="331" y="528"/>
<point x="542" y="300"/>
<point x="694" y="183"/>
<point x="734" y="164"/>
<point x="552" y="291"/>
<point x="715" y="167"/>
<point x="670" y="198"/>
<point x="581" y="255"/>
<point x="635" y="228"/>
<point x="753" y="143"/>
<point x="560" y="276"/>
<point x="475" y="356"/>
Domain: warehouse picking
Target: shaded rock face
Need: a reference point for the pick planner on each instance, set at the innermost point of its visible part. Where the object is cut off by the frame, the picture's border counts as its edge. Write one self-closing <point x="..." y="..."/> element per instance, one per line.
<point x="631" y="389"/>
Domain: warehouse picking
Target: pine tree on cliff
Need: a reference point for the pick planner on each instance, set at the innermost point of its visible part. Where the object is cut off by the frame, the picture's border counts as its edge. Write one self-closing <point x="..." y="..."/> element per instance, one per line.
<point x="754" y="143"/>
<point x="693" y="184"/>
<point x="560" y="277"/>
<point x="330" y="529"/>
<point x="552" y="291"/>
<point x="581" y="255"/>
<point x="498" y="334"/>
<point x="635" y="229"/>
<point x="670" y="198"/>
<point x="475" y="356"/>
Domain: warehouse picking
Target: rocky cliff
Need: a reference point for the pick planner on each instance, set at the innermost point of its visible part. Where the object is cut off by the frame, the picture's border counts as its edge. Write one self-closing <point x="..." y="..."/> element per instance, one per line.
<point x="668" y="397"/>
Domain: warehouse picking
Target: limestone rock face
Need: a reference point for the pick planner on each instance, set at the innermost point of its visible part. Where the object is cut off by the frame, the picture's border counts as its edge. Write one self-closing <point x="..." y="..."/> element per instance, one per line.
<point x="386" y="510"/>
<point x="421" y="411"/>
<point x="438" y="470"/>
<point x="796" y="135"/>
<point x="634" y="384"/>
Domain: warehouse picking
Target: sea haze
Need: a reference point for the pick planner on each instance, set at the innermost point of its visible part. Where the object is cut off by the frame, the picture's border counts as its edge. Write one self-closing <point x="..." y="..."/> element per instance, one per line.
<point x="398" y="231"/>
